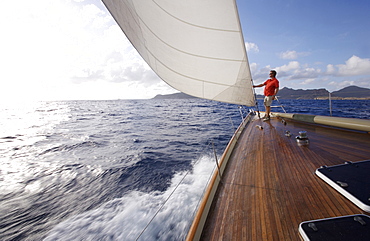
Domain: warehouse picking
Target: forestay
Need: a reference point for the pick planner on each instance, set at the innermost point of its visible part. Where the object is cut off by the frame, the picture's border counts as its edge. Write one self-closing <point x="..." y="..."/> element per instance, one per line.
<point x="195" y="46"/>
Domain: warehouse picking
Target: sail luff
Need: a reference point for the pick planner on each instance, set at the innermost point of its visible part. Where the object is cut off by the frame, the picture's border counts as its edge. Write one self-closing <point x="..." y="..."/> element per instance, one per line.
<point x="195" y="46"/>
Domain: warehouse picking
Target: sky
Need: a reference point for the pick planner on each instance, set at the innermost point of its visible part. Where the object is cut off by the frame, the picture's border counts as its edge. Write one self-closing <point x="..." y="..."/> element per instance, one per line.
<point x="74" y="50"/>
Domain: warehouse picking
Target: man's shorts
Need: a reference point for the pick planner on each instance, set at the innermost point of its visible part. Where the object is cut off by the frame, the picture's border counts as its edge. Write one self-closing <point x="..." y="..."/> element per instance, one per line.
<point x="268" y="100"/>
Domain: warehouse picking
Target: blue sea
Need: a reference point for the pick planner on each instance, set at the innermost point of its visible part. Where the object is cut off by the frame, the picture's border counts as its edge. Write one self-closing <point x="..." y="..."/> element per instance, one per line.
<point x="118" y="169"/>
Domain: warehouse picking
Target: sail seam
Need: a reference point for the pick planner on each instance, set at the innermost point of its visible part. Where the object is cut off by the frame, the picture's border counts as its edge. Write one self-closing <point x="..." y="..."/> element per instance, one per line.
<point x="191" y="24"/>
<point x="181" y="51"/>
<point x="186" y="76"/>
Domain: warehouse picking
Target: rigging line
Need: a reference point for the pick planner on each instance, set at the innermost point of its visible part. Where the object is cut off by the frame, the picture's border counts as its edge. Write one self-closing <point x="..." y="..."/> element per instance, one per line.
<point x="280" y="104"/>
<point x="181" y="181"/>
<point x="330" y="106"/>
<point x="310" y="107"/>
<point x="232" y="125"/>
<point x="169" y="196"/>
<point x="256" y="101"/>
<point x="211" y="174"/>
<point x="216" y="159"/>
<point x="204" y="190"/>
<point x="241" y="113"/>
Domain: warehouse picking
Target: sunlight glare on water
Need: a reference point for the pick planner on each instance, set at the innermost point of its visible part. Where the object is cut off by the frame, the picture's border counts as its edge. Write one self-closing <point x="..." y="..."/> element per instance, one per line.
<point x="22" y="125"/>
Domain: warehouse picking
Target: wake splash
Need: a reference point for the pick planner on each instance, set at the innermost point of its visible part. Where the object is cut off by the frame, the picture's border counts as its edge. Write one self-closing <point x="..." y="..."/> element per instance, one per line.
<point x="125" y="218"/>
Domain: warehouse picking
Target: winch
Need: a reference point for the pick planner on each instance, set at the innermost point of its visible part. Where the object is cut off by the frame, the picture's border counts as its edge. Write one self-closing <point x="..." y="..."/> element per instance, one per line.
<point x="302" y="139"/>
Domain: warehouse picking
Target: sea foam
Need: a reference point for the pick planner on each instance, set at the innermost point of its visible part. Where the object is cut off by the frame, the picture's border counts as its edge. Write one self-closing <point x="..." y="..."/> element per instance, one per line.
<point x="135" y="216"/>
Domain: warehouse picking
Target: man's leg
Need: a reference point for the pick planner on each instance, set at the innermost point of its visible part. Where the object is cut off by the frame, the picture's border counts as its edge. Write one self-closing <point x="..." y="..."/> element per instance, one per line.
<point x="268" y="108"/>
<point x="267" y="103"/>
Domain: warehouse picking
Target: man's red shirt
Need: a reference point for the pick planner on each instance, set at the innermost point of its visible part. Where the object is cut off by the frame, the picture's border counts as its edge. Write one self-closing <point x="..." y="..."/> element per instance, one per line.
<point x="270" y="86"/>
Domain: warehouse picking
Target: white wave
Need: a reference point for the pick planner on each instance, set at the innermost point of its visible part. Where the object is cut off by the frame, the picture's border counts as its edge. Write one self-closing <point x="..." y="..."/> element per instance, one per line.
<point x="125" y="218"/>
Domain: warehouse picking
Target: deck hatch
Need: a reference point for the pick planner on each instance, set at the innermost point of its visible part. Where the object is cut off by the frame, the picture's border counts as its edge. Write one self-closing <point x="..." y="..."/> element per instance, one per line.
<point x="353" y="227"/>
<point x="351" y="179"/>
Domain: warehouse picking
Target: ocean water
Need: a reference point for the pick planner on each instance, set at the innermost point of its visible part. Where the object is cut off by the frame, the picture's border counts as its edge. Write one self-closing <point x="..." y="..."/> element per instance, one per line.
<point x="117" y="170"/>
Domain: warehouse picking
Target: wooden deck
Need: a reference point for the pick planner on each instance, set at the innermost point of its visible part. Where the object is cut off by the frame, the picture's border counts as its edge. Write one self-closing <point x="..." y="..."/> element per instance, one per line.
<point x="269" y="185"/>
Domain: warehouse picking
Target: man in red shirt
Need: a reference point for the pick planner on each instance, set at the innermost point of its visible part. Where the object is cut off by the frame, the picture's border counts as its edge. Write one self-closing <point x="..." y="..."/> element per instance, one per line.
<point x="270" y="91"/>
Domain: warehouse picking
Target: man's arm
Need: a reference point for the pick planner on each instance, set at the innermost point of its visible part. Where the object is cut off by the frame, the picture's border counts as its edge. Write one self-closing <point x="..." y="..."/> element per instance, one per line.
<point x="260" y="85"/>
<point x="276" y="91"/>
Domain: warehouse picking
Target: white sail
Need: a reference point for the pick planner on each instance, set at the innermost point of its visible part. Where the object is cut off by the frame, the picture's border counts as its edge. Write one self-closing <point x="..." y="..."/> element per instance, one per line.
<point x="196" y="46"/>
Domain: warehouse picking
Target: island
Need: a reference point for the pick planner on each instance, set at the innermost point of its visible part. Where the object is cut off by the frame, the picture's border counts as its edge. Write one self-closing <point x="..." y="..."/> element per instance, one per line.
<point x="347" y="93"/>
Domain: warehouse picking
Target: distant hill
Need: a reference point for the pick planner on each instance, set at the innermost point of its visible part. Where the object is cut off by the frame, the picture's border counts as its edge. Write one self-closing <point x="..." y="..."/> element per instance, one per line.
<point x="175" y="96"/>
<point x="288" y="93"/>
<point x="350" y="92"/>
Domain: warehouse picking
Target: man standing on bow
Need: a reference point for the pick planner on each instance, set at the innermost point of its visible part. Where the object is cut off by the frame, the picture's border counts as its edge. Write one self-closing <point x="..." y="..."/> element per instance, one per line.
<point x="270" y="91"/>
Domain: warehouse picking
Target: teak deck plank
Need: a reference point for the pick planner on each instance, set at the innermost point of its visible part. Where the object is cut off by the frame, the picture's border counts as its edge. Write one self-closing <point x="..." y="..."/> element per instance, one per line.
<point x="269" y="185"/>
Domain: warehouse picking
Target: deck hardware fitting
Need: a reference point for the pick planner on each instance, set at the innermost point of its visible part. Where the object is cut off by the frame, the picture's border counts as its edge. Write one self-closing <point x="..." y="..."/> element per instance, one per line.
<point x="313" y="226"/>
<point x="342" y="184"/>
<point x="360" y="220"/>
<point x="302" y="139"/>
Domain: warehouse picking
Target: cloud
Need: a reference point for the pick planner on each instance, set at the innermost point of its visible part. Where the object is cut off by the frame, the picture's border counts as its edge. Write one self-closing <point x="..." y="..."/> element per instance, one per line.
<point x="354" y="66"/>
<point x="105" y="54"/>
<point x="289" y="55"/>
<point x="261" y="74"/>
<point x="355" y="71"/>
<point x="307" y="81"/>
<point x="64" y="45"/>
<point x="341" y="84"/>
<point x="293" y="65"/>
<point x="347" y="81"/>
<point x="292" y="54"/>
<point x="330" y="69"/>
<point x="253" y="67"/>
<point x="75" y="47"/>
<point x="287" y="69"/>
<point x="306" y="73"/>
<point x="288" y="72"/>
<point x="251" y="47"/>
